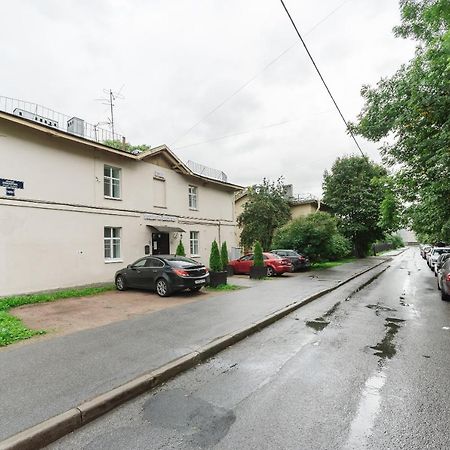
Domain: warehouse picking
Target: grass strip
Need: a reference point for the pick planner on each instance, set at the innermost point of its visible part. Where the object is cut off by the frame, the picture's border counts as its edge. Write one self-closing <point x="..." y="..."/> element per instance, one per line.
<point x="12" y="328"/>
<point x="329" y="264"/>
<point x="223" y="287"/>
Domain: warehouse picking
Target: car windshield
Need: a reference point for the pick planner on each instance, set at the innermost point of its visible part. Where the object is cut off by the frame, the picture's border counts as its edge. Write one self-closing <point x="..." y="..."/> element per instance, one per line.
<point x="181" y="261"/>
<point x="439" y="251"/>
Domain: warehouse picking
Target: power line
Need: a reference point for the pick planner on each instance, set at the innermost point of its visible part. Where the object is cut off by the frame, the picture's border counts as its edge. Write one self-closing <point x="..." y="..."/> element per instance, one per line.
<point x="254" y="77"/>
<point x="321" y="77"/>
<point x="239" y="133"/>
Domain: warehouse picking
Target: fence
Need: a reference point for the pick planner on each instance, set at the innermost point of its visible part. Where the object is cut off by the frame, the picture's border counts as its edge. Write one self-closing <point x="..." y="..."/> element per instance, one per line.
<point x="53" y="119"/>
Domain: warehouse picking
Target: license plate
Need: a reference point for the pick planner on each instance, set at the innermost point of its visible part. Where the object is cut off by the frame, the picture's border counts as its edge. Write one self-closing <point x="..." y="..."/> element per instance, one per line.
<point x="199" y="281"/>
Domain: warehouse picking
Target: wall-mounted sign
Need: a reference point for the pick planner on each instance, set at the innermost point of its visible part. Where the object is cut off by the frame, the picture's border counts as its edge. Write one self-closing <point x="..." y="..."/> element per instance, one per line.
<point x="11" y="186"/>
<point x="161" y="217"/>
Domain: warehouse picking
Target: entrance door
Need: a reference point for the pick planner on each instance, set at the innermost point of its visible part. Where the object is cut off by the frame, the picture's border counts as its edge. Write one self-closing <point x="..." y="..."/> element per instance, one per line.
<point x="160" y="244"/>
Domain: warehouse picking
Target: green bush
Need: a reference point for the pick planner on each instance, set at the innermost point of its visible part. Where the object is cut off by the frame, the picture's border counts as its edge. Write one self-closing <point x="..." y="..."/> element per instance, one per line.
<point x="315" y="235"/>
<point x="258" y="260"/>
<point x="224" y="254"/>
<point x="395" y="240"/>
<point x="180" y="249"/>
<point x="215" y="263"/>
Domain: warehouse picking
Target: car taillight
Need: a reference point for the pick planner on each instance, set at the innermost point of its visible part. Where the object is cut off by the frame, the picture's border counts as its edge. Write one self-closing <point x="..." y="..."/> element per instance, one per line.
<point x="448" y="278"/>
<point x="181" y="272"/>
<point x="301" y="258"/>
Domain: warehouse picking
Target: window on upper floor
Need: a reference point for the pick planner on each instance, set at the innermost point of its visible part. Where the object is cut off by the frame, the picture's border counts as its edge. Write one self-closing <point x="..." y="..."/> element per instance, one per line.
<point x="111" y="244"/>
<point x="159" y="193"/>
<point x="193" y="192"/>
<point x="193" y="243"/>
<point x="111" y="182"/>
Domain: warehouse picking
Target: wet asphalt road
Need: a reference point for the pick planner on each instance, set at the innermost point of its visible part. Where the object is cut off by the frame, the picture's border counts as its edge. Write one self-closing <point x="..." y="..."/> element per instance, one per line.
<point x="369" y="370"/>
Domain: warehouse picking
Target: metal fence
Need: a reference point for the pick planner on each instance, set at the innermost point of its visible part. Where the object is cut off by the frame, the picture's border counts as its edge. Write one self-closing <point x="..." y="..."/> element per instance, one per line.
<point x="208" y="172"/>
<point x="53" y="119"/>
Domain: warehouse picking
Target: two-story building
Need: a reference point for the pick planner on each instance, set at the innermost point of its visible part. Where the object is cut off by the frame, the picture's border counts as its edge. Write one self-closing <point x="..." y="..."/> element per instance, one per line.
<point x="73" y="210"/>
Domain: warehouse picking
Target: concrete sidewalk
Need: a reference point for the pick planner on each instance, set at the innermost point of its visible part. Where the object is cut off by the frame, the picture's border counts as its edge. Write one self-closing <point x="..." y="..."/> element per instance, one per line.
<point x="46" y="378"/>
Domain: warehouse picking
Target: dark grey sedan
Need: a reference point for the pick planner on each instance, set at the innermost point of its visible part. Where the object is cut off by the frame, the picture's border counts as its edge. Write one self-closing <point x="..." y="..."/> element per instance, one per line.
<point x="165" y="274"/>
<point x="298" y="261"/>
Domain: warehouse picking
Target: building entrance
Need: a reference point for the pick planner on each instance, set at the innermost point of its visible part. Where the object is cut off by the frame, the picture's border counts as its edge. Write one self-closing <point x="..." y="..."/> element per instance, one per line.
<point x="160" y="244"/>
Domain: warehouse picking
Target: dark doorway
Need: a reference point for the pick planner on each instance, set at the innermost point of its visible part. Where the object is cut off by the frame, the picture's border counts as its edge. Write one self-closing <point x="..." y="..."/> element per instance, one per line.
<point x="160" y="244"/>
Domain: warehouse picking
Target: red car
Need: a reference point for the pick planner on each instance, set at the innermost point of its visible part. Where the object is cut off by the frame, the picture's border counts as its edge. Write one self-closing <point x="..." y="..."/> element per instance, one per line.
<point x="276" y="265"/>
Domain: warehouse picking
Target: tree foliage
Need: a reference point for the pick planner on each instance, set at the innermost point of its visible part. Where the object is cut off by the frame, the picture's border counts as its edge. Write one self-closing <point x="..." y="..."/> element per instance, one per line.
<point x="258" y="259"/>
<point x="215" y="263"/>
<point x="410" y="111"/>
<point x="119" y="145"/>
<point x="180" y="249"/>
<point x="315" y="235"/>
<point x="266" y="209"/>
<point x="224" y="254"/>
<point x="354" y="189"/>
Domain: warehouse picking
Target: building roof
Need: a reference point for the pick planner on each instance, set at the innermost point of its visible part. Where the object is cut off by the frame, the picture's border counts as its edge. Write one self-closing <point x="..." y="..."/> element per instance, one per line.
<point x="175" y="162"/>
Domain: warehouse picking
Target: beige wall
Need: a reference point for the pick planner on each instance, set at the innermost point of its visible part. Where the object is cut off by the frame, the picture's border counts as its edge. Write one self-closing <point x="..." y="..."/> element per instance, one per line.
<point x="303" y="210"/>
<point x="52" y="230"/>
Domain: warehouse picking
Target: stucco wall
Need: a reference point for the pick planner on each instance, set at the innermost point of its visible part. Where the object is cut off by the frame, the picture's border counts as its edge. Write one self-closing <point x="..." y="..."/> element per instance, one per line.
<point x="52" y="230"/>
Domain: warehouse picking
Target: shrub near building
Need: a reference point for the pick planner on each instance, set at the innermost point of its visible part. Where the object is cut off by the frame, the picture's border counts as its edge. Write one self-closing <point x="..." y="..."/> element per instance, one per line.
<point x="315" y="235"/>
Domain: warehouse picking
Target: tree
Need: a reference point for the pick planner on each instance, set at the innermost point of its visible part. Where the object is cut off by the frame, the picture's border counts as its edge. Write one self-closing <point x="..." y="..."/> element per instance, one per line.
<point x="180" y="249"/>
<point x="315" y="235"/>
<point x="411" y="108"/>
<point x="354" y="190"/>
<point x="258" y="260"/>
<point x="215" y="263"/>
<point x="266" y="209"/>
<point x="224" y="254"/>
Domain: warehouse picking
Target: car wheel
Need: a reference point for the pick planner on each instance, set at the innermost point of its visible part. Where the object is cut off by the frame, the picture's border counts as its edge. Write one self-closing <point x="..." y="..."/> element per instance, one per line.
<point x="195" y="288"/>
<point x="270" y="272"/>
<point x="162" y="288"/>
<point x="444" y="296"/>
<point x="121" y="285"/>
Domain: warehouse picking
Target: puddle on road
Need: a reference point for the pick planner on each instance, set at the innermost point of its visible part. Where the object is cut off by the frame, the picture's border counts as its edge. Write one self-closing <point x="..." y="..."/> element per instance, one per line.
<point x="380" y="307"/>
<point x="386" y="348"/>
<point x="370" y="402"/>
<point x="319" y="323"/>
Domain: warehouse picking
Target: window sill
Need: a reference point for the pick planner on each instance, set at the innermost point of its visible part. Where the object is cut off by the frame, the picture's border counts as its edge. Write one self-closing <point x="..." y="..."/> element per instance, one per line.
<point x="112" y="261"/>
<point x="195" y="256"/>
<point x="160" y="207"/>
<point x="193" y="209"/>
<point x="113" y="198"/>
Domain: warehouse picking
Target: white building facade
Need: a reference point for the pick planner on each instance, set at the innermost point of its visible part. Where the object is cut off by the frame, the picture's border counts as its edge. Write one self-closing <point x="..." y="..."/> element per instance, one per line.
<point x="73" y="212"/>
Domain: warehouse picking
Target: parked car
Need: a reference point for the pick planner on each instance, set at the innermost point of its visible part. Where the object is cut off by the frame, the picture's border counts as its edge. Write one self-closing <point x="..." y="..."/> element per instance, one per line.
<point x="424" y="249"/>
<point x="444" y="280"/>
<point x="276" y="265"/>
<point x="434" y="255"/>
<point x="298" y="261"/>
<point x="440" y="262"/>
<point x="165" y="274"/>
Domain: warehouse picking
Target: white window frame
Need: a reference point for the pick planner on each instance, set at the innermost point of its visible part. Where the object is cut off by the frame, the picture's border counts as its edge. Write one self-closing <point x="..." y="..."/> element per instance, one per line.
<point x="110" y="179"/>
<point x="193" y="197"/>
<point x="194" y="243"/>
<point x="111" y="240"/>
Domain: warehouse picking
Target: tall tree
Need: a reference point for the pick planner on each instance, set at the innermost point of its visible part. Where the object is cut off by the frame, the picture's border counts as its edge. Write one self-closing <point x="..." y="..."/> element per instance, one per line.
<point x="354" y="189"/>
<point x="412" y="110"/>
<point x="266" y="209"/>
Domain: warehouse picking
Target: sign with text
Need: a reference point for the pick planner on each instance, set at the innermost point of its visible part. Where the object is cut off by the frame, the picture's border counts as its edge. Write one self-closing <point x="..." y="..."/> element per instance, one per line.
<point x="11" y="186"/>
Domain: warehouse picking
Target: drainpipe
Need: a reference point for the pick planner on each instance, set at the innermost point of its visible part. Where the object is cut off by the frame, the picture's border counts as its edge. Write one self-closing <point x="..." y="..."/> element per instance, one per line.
<point x="218" y="226"/>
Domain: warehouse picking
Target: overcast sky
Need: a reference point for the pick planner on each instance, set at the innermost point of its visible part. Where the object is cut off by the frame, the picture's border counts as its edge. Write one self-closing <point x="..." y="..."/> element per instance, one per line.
<point x="178" y="60"/>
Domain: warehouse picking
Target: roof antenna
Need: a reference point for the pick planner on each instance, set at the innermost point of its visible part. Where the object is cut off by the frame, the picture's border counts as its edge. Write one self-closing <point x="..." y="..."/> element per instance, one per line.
<point x="109" y="101"/>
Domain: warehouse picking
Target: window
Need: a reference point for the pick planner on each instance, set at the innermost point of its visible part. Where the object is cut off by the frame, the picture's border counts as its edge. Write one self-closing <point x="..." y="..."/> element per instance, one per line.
<point x="193" y="242"/>
<point x="159" y="193"/>
<point x="111" y="182"/>
<point x="192" y="197"/>
<point x="154" y="263"/>
<point x="112" y="243"/>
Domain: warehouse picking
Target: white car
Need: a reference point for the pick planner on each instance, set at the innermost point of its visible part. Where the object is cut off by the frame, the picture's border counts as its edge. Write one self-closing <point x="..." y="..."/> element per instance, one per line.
<point x="434" y="255"/>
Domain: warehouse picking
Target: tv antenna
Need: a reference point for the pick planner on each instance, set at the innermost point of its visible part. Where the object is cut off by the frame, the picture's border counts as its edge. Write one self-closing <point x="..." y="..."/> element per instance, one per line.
<point x="109" y="101"/>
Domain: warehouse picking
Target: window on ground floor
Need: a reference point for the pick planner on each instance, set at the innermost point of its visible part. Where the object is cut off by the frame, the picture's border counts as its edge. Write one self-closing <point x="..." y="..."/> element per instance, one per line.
<point x="112" y="243"/>
<point x="193" y="243"/>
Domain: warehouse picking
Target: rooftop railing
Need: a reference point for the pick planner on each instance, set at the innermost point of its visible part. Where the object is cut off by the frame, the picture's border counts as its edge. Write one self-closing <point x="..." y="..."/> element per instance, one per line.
<point x="53" y="119"/>
<point x="208" y="172"/>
